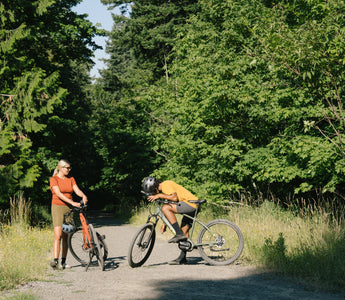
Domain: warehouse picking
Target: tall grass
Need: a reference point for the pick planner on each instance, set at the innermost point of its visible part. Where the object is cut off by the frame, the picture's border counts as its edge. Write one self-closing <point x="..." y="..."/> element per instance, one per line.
<point x="307" y="243"/>
<point x="24" y="251"/>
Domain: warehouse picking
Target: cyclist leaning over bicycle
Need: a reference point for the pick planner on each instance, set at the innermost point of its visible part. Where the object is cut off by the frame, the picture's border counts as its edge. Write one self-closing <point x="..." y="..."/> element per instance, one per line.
<point x="172" y="191"/>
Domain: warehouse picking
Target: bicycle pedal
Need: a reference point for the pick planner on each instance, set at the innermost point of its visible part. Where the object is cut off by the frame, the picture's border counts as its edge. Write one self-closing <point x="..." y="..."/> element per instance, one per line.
<point x="102" y="237"/>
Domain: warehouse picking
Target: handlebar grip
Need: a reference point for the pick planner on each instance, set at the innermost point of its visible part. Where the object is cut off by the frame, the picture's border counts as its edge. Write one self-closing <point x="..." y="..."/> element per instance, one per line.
<point x="146" y="194"/>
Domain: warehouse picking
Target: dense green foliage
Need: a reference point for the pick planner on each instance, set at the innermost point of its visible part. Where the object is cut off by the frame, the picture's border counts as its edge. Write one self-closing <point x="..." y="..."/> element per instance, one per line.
<point x="251" y="97"/>
<point x="221" y="96"/>
<point x="46" y="52"/>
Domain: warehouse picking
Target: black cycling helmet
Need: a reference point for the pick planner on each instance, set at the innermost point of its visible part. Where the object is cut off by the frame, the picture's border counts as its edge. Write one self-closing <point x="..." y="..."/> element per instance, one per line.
<point x="150" y="185"/>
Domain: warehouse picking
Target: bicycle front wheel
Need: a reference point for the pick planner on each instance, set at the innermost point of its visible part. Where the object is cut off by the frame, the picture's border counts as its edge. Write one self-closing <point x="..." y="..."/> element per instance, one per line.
<point x="221" y="242"/>
<point x="78" y="247"/>
<point x="97" y="250"/>
<point x="141" y="245"/>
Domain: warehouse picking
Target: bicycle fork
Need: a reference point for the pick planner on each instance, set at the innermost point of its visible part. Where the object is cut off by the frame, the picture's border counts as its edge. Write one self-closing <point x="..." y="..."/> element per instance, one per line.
<point x="145" y="243"/>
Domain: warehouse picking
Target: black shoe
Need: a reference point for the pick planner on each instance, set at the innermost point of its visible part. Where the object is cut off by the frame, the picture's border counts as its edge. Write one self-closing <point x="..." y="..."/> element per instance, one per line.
<point x="178" y="261"/>
<point x="177" y="238"/>
<point x="54" y="264"/>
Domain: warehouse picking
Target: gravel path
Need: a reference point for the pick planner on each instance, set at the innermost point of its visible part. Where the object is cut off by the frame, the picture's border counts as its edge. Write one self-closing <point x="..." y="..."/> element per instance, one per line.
<point x="158" y="280"/>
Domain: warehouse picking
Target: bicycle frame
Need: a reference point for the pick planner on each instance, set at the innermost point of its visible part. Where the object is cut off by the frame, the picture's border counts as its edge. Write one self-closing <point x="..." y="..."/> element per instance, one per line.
<point x="85" y="228"/>
<point x="159" y="214"/>
<point x="86" y="232"/>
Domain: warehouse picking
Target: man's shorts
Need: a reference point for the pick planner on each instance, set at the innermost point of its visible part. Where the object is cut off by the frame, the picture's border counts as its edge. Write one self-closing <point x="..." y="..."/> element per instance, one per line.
<point x="184" y="208"/>
<point x="58" y="212"/>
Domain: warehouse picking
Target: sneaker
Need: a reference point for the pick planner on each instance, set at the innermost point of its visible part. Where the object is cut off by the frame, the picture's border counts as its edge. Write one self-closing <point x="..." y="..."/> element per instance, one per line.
<point x="177" y="238"/>
<point x="54" y="264"/>
<point x="178" y="261"/>
<point x="64" y="266"/>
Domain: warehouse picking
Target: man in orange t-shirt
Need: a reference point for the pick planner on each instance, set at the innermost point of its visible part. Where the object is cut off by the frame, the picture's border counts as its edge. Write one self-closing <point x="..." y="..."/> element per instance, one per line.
<point x="172" y="191"/>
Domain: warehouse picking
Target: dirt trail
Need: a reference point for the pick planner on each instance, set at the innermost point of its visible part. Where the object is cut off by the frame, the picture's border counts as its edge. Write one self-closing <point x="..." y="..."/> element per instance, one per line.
<point x="158" y="280"/>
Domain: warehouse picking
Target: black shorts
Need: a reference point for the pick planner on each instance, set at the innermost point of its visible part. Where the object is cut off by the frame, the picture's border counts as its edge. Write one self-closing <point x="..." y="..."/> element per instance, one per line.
<point x="184" y="208"/>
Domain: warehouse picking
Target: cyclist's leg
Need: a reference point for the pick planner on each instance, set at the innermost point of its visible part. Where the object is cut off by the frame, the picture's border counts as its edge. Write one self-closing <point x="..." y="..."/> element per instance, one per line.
<point x="169" y="211"/>
<point x="64" y="239"/>
<point x="64" y="250"/>
<point x="64" y="245"/>
<point x="58" y="213"/>
<point x="186" y="224"/>
<point x="182" y="258"/>
<point x="57" y="241"/>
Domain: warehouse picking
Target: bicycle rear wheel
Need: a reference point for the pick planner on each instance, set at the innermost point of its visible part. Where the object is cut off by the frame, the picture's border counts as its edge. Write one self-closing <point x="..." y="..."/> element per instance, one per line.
<point x="141" y="246"/>
<point x="97" y="251"/>
<point x="221" y="242"/>
<point x="77" y="246"/>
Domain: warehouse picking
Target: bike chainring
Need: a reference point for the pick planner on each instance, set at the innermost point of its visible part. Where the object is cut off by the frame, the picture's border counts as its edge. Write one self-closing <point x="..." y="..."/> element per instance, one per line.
<point x="185" y="246"/>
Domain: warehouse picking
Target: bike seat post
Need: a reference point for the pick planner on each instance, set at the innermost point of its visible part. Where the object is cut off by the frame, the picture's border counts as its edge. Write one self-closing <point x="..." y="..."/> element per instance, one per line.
<point x="197" y="209"/>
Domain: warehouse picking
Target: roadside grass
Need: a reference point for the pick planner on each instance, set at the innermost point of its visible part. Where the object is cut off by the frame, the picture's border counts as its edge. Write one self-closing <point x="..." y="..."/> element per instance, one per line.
<point x="306" y="244"/>
<point x="21" y="296"/>
<point x="24" y="251"/>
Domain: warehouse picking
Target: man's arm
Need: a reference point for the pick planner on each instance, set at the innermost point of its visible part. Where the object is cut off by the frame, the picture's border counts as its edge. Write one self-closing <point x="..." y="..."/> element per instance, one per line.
<point x="171" y="197"/>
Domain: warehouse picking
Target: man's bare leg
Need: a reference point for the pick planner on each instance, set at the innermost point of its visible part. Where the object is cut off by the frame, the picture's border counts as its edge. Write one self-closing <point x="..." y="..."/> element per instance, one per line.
<point x="170" y="211"/>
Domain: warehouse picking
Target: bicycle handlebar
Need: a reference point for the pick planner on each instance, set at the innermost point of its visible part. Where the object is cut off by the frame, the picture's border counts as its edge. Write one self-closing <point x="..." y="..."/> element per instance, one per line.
<point x="82" y="207"/>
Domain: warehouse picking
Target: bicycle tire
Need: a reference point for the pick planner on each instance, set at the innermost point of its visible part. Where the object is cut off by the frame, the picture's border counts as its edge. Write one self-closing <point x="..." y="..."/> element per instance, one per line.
<point x="76" y="246"/>
<point x="103" y="245"/>
<point x="77" y="249"/>
<point x="226" y="241"/>
<point x="97" y="248"/>
<point x="141" y="245"/>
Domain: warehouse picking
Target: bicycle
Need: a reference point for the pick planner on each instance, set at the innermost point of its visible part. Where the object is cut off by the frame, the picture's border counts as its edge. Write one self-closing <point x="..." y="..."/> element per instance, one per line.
<point x="220" y="242"/>
<point x="85" y="243"/>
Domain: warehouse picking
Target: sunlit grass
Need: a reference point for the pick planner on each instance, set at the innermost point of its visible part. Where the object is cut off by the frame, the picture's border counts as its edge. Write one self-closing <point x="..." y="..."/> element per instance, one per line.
<point x="24" y="251"/>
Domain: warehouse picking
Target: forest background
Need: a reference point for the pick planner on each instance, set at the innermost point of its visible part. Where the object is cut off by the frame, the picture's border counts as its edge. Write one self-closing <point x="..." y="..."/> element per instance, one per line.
<point x="227" y="98"/>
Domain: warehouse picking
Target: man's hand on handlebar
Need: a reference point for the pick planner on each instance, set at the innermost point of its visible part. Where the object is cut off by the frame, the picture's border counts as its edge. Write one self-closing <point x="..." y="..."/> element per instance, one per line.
<point x="152" y="198"/>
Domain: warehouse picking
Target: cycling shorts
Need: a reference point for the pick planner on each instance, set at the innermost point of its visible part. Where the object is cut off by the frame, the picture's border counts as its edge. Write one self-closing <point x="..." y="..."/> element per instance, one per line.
<point x="58" y="212"/>
<point x="184" y="208"/>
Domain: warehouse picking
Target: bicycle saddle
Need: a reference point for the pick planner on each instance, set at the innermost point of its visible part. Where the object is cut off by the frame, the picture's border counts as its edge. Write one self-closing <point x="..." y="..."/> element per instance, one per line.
<point x="200" y="201"/>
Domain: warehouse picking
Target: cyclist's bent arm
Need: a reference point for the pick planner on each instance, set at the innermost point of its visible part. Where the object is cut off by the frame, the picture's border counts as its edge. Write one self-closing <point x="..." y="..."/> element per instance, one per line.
<point x="63" y="197"/>
<point x="171" y="197"/>
<point x="80" y="193"/>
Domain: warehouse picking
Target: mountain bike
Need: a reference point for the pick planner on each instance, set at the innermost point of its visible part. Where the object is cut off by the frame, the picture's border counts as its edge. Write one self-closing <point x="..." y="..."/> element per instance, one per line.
<point x="220" y="242"/>
<point x="85" y="244"/>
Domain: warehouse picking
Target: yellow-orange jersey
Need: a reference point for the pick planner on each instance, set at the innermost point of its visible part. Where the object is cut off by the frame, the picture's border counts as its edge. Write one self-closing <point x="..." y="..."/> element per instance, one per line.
<point x="169" y="187"/>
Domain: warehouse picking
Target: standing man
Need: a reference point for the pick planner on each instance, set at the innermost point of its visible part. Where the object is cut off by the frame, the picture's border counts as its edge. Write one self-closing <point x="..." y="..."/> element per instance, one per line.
<point x="172" y="191"/>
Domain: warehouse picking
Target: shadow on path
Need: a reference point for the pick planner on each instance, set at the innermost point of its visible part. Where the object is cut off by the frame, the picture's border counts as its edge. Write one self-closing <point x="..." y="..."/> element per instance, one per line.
<point x="251" y="287"/>
<point x="102" y="218"/>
